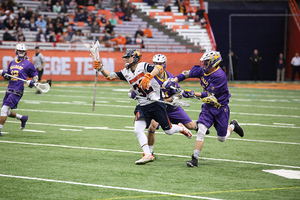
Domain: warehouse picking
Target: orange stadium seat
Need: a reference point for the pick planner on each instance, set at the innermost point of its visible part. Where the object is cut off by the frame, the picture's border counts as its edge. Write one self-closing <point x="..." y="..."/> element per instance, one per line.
<point x="163" y="21"/>
<point x="80" y="24"/>
<point x="91" y="8"/>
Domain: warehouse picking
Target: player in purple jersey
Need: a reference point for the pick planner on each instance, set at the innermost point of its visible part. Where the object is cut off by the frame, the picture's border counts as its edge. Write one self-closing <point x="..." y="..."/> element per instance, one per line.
<point x="176" y="114"/>
<point x="215" y="110"/>
<point x="21" y="68"/>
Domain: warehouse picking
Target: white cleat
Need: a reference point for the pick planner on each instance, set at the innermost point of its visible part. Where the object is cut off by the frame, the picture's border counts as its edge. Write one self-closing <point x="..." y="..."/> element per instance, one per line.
<point x="185" y="131"/>
<point x="145" y="159"/>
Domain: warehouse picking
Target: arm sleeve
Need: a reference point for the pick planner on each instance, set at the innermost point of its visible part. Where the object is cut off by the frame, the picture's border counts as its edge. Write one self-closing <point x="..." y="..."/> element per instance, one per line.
<point x="120" y="75"/>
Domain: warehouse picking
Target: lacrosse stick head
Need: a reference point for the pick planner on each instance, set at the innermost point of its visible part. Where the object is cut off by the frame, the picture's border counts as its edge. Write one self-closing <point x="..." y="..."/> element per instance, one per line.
<point x="95" y="50"/>
<point x="43" y="87"/>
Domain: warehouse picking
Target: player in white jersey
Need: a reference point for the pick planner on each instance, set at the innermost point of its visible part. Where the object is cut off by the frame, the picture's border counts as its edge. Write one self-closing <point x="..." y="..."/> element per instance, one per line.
<point x="140" y="76"/>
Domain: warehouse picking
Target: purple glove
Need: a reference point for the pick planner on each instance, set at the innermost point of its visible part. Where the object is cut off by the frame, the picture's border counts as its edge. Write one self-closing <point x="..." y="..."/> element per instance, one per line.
<point x="30" y="83"/>
<point x="3" y="74"/>
<point x="188" y="94"/>
<point x="169" y="83"/>
<point x="132" y="94"/>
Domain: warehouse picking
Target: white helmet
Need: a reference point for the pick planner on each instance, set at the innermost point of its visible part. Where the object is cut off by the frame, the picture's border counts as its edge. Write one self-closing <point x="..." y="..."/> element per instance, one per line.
<point x="210" y="59"/>
<point x="21" y="51"/>
<point x="160" y="59"/>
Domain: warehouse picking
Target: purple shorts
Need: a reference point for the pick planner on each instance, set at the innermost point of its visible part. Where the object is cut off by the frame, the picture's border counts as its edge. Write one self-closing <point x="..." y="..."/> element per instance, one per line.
<point x="178" y="115"/>
<point x="11" y="100"/>
<point x="213" y="116"/>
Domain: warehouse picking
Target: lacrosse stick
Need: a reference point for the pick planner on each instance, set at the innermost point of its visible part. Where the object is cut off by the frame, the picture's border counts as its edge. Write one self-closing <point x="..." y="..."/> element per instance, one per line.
<point x="43" y="87"/>
<point x="177" y="100"/>
<point x="95" y="55"/>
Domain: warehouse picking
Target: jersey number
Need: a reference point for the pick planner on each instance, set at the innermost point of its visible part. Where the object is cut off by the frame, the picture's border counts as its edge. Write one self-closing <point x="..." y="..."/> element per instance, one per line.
<point x="142" y="92"/>
<point x="14" y="73"/>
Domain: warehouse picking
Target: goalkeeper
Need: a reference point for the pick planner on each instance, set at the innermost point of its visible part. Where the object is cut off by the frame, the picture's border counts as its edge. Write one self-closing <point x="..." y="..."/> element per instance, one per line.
<point x="215" y="110"/>
<point x="21" y="68"/>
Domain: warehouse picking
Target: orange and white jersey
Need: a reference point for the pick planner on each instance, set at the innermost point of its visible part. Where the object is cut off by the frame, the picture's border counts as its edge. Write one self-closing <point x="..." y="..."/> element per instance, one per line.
<point x="144" y="97"/>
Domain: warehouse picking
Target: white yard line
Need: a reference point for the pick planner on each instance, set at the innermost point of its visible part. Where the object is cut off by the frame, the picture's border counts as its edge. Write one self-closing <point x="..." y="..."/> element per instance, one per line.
<point x="65" y="129"/>
<point x="135" y="152"/>
<point x="37" y="131"/>
<point x="106" y="186"/>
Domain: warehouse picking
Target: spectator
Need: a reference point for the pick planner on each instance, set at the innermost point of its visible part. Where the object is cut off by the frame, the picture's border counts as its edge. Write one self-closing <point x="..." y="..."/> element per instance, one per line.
<point x="65" y="18"/>
<point x="197" y="20"/>
<point x="59" y="38"/>
<point x="7" y="36"/>
<point x="77" y="37"/>
<point x="41" y="36"/>
<point x="280" y="68"/>
<point x="147" y="32"/>
<point x="255" y="66"/>
<point x="58" y="18"/>
<point x="49" y="5"/>
<point x="28" y="14"/>
<point x="105" y="39"/>
<point x="21" y="13"/>
<point x="2" y="26"/>
<point x="58" y="28"/>
<point x="90" y="3"/>
<point x="73" y="4"/>
<point x="70" y="31"/>
<point x="200" y="12"/>
<point x="52" y="37"/>
<point x="63" y="6"/>
<point x="167" y="7"/>
<point x="139" y="31"/>
<point x="190" y="16"/>
<point x="177" y="2"/>
<point x="43" y="7"/>
<point x="34" y="16"/>
<point x="112" y="35"/>
<point x="56" y="7"/>
<point x="109" y="28"/>
<point x="15" y="36"/>
<point x="99" y="5"/>
<point x="120" y="40"/>
<point x="295" y="66"/>
<point x="21" y="36"/>
<point x="113" y="20"/>
<point x="82" y="17"/>
<point x="181" y="8"/>
<point x="139" y="40"/>
<point x="16" y="24"/>
<point x="128" y="39"/>
<point x="151" y="2"/>
<point x="7" y="17"/>
<point x="41" y="23"/>
<point x="95" y="28"/>
<point x="162" y="2"/>
<point x="127" y="11"/>
<point x="10" y="24"/>
<point x="23" y="24"/>
<point x="8" y="6"/>
<point x="49" y="29"/>
<point x="91" y="17"/>
<point x="31" y="25"/>
<point x="203" y="22"/>
<point x="186" y="3"/>
<point x="103" y="19"/>
<point x="120" y="13"/>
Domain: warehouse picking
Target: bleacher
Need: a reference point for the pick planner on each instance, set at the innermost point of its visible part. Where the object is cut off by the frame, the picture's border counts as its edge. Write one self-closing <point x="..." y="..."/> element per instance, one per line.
<point x="159" y="42"/>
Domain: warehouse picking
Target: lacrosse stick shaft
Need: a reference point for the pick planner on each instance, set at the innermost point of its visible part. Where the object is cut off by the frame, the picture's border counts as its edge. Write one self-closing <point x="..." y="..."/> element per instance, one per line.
<point x="16" y="77"/>
<point x="95" y="87"/>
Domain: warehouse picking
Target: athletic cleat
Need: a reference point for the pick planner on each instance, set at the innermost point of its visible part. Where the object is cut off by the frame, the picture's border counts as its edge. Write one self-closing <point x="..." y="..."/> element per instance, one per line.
<point x="237" y="128"/>
<point x="185" y="131"/>
<point x="145" y="159"/>
<point x="193" y="162"/>
<point x="23" y="119"/>
<point x="50" y="82"/>
<point x="38" y="92"/>
<point x="151" y="154"/>
<point x="207" y="132"/>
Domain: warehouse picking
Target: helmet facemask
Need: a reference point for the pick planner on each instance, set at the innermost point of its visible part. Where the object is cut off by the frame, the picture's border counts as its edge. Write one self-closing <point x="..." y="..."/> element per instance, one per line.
<point x="21" y="51"/>
<point x="209" y="60"/>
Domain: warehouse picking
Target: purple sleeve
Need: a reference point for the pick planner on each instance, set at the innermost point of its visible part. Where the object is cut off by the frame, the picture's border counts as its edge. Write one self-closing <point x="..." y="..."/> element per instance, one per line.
<point x="196" y="72"/>
<point x="32" y="71"/>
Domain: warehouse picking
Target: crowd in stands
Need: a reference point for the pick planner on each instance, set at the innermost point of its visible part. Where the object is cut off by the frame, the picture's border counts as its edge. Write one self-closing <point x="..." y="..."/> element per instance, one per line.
<point x="70" y="13"/>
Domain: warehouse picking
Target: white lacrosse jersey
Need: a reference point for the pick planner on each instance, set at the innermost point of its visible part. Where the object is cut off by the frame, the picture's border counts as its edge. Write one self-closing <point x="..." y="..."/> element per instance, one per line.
<point x="144" y="97"/>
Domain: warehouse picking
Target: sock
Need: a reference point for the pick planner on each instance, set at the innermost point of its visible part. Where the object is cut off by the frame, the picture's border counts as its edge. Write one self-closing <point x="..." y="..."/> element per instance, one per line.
<point x="232" y="126"/>
<point x="151" y="148"/>
<point x="146" y="149"/>
<point x="1" y="126"/>
<point x="196" y="154"/>
<point x="18" y="116"/>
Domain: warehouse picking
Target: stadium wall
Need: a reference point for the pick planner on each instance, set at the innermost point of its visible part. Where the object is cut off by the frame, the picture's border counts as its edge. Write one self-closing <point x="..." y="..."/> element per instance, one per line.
<point x="266" y="34"/>
<point x="78" y="65"/>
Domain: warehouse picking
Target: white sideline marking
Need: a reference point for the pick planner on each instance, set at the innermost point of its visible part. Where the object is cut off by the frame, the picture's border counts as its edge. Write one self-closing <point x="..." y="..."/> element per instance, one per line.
<point x="4" y="132"/>
<point x="135" y="152"/>
<point x="107" y="186"/>
<point x="64" y="129"/>
<point x="37" y="131"/>
<point x="284" y="124"/>
<point x="158" y="132"/>
<point x="291" y="174"/>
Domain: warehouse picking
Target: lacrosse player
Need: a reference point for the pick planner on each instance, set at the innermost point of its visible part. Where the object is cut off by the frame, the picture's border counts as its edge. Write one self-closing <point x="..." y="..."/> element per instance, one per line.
<point x="150" y="104"/>
<point x="176" y="113"/>
<point x="21" y="68"/>
<point x="215" y="110"/>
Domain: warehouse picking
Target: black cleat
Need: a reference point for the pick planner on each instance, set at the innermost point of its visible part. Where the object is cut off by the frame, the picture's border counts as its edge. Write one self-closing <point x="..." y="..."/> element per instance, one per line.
<point x="237" y="128"/>
<point x="38" y="92"/>
<point x="50" y="82"/>
<point x="193" y="162"/>
<point x="207" y="132"/>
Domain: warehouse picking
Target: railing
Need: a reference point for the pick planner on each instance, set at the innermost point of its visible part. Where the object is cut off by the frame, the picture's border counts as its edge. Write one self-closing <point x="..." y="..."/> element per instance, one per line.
<point x="295" y="10"/>
<point x="208" y="28"/>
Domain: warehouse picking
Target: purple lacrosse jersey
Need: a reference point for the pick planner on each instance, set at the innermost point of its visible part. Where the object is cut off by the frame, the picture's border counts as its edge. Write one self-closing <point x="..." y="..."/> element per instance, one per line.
<point x="216" y="83"/>
<point x="20" y="69"/>
<point x="175" y="114"/>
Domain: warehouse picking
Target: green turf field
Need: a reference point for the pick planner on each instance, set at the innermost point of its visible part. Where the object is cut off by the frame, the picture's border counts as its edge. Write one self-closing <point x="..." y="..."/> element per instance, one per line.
<point x="68" y="151"/>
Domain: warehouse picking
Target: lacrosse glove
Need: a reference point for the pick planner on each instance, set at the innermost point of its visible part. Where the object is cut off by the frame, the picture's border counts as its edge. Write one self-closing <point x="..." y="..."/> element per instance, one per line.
<point x="144" y="84"/>
<point x="188" y="93"/>
<point x="3" y="73"/>
<point x="211" y="100"/>
<point x="98" y="65"/>
<point x="169" y="83"/>
<point x="30" y="83"/>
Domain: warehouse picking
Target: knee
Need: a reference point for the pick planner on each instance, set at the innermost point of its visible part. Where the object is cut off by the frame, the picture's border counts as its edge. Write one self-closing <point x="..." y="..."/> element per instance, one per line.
<point x="191" y="125"/>
<point x="222" y="138"/>
<point x="5" y="111"/>
<point x="201" y="132"/>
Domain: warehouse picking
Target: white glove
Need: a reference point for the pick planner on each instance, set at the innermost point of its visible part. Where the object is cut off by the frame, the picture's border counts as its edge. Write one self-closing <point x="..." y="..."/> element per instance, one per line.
<point x="1" y="71"/>
<point x="30" y="83"/>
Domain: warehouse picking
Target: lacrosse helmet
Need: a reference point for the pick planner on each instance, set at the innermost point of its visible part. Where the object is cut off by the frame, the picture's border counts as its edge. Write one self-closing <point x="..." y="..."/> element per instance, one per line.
<point x="160" y="59"/>
<point x="21" y="51"/>
<point x="132" y="57"/>
<point x="210" y="59"/>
